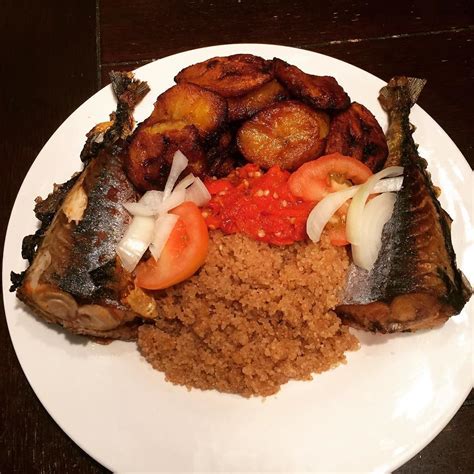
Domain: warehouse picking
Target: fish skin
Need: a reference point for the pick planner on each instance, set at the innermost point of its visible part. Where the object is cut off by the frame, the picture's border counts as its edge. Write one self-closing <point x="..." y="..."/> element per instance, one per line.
<point x="415" y="283"/>
<point x="74" y="278"/>
<point x="94" y="239"/>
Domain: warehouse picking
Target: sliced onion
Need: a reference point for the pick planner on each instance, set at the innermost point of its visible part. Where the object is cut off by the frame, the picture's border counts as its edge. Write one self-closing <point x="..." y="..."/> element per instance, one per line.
<point x="376" y="214"/>
<point x="148" y="205"/>
<point x="136" y="240"/>
<point x="177" y="167"/>
<point x="324" y="210"/>
<point x="354" y="213"/>
<point x="185" y="182"/>
<point x="152" y="199"/>
<point x="138" y="209"/>
<point x="198" y="193"/>
<point x="388" y="185"/>
<point x="164" y="225"/>
<point x="176" y="198"/>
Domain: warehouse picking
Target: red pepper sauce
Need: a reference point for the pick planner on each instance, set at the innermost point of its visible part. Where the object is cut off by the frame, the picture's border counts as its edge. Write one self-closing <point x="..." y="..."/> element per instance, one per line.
<point x="257" y="204"/>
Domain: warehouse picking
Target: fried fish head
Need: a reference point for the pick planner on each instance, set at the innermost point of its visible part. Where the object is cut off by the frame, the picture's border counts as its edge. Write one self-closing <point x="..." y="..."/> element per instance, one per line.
<point x="286" y="134"/>
<point x="321" y="92"/>
<point x="246" y="106"/>
<point x="188" y="104"/>
<point x="355" y="132"/>
<point x="229" y="76"/>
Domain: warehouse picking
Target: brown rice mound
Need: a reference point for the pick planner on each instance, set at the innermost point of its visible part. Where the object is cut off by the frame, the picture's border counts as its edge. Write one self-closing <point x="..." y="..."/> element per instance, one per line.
<point x="254" y="317"/>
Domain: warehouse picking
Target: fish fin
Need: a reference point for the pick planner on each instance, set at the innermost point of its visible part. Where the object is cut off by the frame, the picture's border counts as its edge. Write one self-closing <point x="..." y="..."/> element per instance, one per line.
<point x="415" y="86"/>
<point x="401" y="91"/>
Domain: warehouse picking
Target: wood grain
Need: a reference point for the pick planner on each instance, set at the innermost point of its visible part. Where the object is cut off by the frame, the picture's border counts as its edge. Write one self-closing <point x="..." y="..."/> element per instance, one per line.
<point x="55" y="56"/>
<point x="43" y="81"/>
<point x="167" y="27"/>
<point x="450" y="451"/>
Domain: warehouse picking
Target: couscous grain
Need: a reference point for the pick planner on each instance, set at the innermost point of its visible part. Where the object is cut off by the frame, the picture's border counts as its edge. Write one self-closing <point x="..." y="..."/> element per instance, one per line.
<point x="254" y="317"/>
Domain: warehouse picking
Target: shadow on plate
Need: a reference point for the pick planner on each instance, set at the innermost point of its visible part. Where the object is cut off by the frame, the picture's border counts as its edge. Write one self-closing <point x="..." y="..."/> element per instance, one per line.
<point x="71" y="338"/>
<point x="372" y="339"/>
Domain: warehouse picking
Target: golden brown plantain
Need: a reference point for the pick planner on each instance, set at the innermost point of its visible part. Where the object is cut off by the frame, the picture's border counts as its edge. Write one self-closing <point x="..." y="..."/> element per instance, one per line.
<point x="321" y="92"/>
<point x="355" y="132"/>
<point x="229" y="76"/>
<point x="143" y="161"/>
<point x="150" y="155"/>
<point x="245" y="106"/>
<point x="287" y="134"/>
<point x="223" y="157"/>
<point x="188" y="104"/>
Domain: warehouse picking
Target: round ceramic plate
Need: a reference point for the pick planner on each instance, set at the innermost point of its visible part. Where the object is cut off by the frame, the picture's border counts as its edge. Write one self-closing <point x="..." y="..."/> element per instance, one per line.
<point x="372" y="414"/>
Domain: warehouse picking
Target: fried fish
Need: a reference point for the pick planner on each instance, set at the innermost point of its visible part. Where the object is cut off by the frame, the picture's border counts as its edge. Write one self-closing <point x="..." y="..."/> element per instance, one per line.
<point x="73" y="278"/>
<point x="415" y="283"/>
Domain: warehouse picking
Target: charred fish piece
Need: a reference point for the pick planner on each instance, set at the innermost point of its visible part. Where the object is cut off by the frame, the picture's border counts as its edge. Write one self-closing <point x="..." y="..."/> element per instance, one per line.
<point x="415" y="283"/>
<point x="73" y="278"/>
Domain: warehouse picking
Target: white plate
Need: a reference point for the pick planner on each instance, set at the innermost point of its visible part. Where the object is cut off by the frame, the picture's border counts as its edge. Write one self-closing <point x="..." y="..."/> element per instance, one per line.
<point x="373" y="414"/>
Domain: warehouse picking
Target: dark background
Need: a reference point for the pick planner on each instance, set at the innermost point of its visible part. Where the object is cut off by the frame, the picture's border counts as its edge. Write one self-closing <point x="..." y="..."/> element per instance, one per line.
<point x="56" y="54"/>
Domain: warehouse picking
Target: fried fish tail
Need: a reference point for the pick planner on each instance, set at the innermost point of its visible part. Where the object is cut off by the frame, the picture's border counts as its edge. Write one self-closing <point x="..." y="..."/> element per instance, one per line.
<point x="129" y="93"/>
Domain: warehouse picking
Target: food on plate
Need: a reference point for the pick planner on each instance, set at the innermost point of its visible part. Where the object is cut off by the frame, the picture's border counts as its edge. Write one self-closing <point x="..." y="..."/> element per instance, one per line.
<point x="286" y="134"/>
<point x="129" y="93"/>
<point x="150" y="155"/>
<point x="258" y="204"/>
<point x="321" y="92"/>
<point x="415" y="283"/>
<point x="73" y="278"/>
<point x="217" y="233"/>
<point x="229" y="76"/>
<point x="183" y="116"/>
<point x="245" y="106"/>
<point x="186" y="117"/>
<point x="184" y="252"/>
<point x="355" y="132"/>
<point x="223" y="155"/>
<point x="316" y="179"/>
<point x="187" y="104"/>
<point x="253" y="318"/>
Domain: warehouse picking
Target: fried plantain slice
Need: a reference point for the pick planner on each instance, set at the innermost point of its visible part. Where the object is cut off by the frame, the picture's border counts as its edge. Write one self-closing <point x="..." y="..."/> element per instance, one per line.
<point x="150" y="155"/>
<point x="229" y="76"/>
<point x="287" y="134"/>
<point x="189" y="142"/>
<point x="355" y="132"/>
<point x="188" y="104"/>
<point x="147" y="162"/>
<point x="321" y="92"/>
<point x="223" y="156"/>
<point x="245" y="106"/>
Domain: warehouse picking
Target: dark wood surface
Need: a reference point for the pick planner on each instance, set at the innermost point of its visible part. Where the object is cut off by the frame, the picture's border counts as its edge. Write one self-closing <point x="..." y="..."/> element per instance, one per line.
<point x="57" y="54"/>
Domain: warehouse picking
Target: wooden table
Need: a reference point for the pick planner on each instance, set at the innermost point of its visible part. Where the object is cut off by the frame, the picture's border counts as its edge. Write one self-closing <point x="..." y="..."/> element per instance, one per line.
<point x="56" y="54"/>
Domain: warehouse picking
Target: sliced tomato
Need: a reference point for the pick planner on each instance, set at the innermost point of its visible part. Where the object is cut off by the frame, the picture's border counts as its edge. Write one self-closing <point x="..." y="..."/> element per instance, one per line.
<point x="337" y="234"/>
<point x="336" y="227"/>
<point x="184" y="252"/>
<point x="315" y="179"/>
